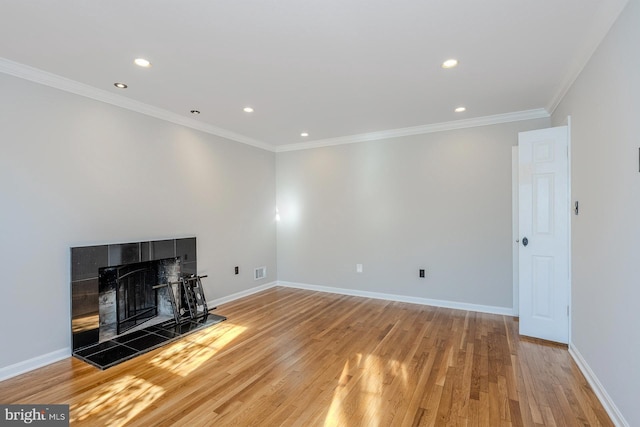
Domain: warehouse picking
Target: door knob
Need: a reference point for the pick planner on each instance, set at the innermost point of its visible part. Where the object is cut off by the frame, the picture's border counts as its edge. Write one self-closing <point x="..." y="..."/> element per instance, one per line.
<point x="525" y="241"/>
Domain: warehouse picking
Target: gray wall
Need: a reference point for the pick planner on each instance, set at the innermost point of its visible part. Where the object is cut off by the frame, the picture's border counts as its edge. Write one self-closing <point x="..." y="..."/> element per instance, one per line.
<point x="439" y="201"/>
<point x="75" y="172"/>
<point x="604" y="104"/>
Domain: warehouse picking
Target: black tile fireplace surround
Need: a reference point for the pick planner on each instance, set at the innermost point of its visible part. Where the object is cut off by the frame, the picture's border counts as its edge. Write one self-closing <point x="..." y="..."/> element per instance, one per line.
<point x="116" y="314"/>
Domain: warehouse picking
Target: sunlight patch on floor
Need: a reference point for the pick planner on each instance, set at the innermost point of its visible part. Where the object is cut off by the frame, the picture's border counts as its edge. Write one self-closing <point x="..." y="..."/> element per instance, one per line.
<point x="185" y="356"/>
<point x="335" y="416"/>
<point x="117" y="402"/>
<point x="376" y="374"/>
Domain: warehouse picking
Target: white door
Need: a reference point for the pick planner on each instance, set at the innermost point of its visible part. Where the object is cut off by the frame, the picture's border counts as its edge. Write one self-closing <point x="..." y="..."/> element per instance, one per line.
<point x="544" y="234"/>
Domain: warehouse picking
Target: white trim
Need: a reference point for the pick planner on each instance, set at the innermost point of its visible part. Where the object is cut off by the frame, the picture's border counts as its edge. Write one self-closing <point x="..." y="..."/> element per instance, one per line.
<point x="515" y="228"/>
<point x="62" y="83"/>
<point x="569" y="225"/>
<point x="610" y="10"/>
<point x="598" y="388"/>
<point x="46" y="359"/>
<point x="34" y="363"/>
<point x="505" y="311"/>
<point x="539" y="113"/>
<point x="223" y="300"/>
<point x="55" y="356"/>
<point x="48" y="79"/>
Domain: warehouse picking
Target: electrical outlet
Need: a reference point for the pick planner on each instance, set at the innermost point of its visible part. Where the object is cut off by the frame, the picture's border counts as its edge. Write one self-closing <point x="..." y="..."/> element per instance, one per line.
<point x="421" y="272"/>
<point x="236" y="270"/>
<point x="358" y="268"/>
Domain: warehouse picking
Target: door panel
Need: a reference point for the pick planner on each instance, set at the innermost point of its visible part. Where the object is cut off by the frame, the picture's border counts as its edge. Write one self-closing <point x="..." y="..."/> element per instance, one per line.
<point x="543" y="278"/>
<point x="544" y="225"/>
<point x="543" y="203"/>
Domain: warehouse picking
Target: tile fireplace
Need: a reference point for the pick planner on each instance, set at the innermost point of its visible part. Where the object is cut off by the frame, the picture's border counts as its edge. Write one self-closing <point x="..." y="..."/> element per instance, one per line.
<point x="126" y="298"/>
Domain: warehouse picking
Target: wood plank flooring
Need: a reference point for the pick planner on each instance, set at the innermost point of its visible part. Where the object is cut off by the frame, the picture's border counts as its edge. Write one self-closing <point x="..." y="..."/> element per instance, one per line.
<point x="300" y="358"/>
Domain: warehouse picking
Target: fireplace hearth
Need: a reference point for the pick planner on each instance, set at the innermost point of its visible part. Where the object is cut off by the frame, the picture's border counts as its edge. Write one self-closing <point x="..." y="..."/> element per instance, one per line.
<point x="130" y="298"/>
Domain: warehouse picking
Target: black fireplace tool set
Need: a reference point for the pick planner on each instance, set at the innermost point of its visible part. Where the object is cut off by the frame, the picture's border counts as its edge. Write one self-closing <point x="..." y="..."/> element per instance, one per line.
<point x="196" y="303"/>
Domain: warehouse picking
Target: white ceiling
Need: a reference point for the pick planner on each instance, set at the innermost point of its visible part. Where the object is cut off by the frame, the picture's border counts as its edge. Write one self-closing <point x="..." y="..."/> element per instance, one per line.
<point x="330" y="67"/>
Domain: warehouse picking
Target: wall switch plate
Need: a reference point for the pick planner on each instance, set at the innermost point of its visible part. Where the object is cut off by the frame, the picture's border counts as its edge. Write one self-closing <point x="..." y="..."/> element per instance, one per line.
<point x="358" y="268"/>
<point x="421" y="272"/>
<point x="236" y="270"/>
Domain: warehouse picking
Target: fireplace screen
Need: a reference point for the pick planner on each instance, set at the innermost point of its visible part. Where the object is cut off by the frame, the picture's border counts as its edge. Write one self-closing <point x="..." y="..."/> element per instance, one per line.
<point x="136" y="297"/>
<point x="130" y="296"/>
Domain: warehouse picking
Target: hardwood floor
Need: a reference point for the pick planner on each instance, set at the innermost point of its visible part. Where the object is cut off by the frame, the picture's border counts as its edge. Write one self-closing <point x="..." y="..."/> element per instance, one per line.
<point x="301" y="358"/>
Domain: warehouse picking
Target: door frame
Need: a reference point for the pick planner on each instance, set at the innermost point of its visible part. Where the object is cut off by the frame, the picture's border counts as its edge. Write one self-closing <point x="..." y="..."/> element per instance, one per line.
<point x="515" y="232"/>
<point x="515" y="229"/>
<point x="569" y="220"/>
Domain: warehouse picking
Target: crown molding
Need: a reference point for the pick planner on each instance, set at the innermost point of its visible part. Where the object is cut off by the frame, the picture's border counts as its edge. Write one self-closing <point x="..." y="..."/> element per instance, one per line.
<point x="609" y="11"/>
<point x="539" y="113"/>
<point x="58" y="82"/>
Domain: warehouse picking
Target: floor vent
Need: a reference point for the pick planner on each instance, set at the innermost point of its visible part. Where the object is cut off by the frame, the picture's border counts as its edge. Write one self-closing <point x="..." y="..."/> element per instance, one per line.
<point x="259" y="273"/>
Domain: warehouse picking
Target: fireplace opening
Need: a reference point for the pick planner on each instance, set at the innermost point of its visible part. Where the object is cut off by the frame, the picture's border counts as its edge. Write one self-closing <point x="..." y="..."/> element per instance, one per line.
<point x="129" y="295"/>
<point x="135" y="295"/>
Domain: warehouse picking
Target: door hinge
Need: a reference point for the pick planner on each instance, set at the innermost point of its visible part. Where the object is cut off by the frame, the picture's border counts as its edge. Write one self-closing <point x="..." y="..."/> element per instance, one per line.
<point x="567" y="311"/>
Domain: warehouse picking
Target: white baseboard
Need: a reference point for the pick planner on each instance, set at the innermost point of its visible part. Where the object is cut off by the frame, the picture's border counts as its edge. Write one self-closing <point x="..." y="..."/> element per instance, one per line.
<point x="55" y="356"/>
<point x="37" y="362"/>
<point x="219" y="301"/>
<point x="598" y="388"/>
<point x="402" y="298"/>
<point x="34" y="363"/>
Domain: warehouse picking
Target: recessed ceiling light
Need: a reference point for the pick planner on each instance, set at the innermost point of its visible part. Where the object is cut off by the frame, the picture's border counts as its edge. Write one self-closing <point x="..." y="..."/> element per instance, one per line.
<point x="120" y="85"/>
<point x="304" y="134"/>
<point x="248" y="110"/>
<point x="196" y="112"/>
<point x="450" y="63"/>
<point x="460" y="109"/>
<point x="141" y="62"/>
